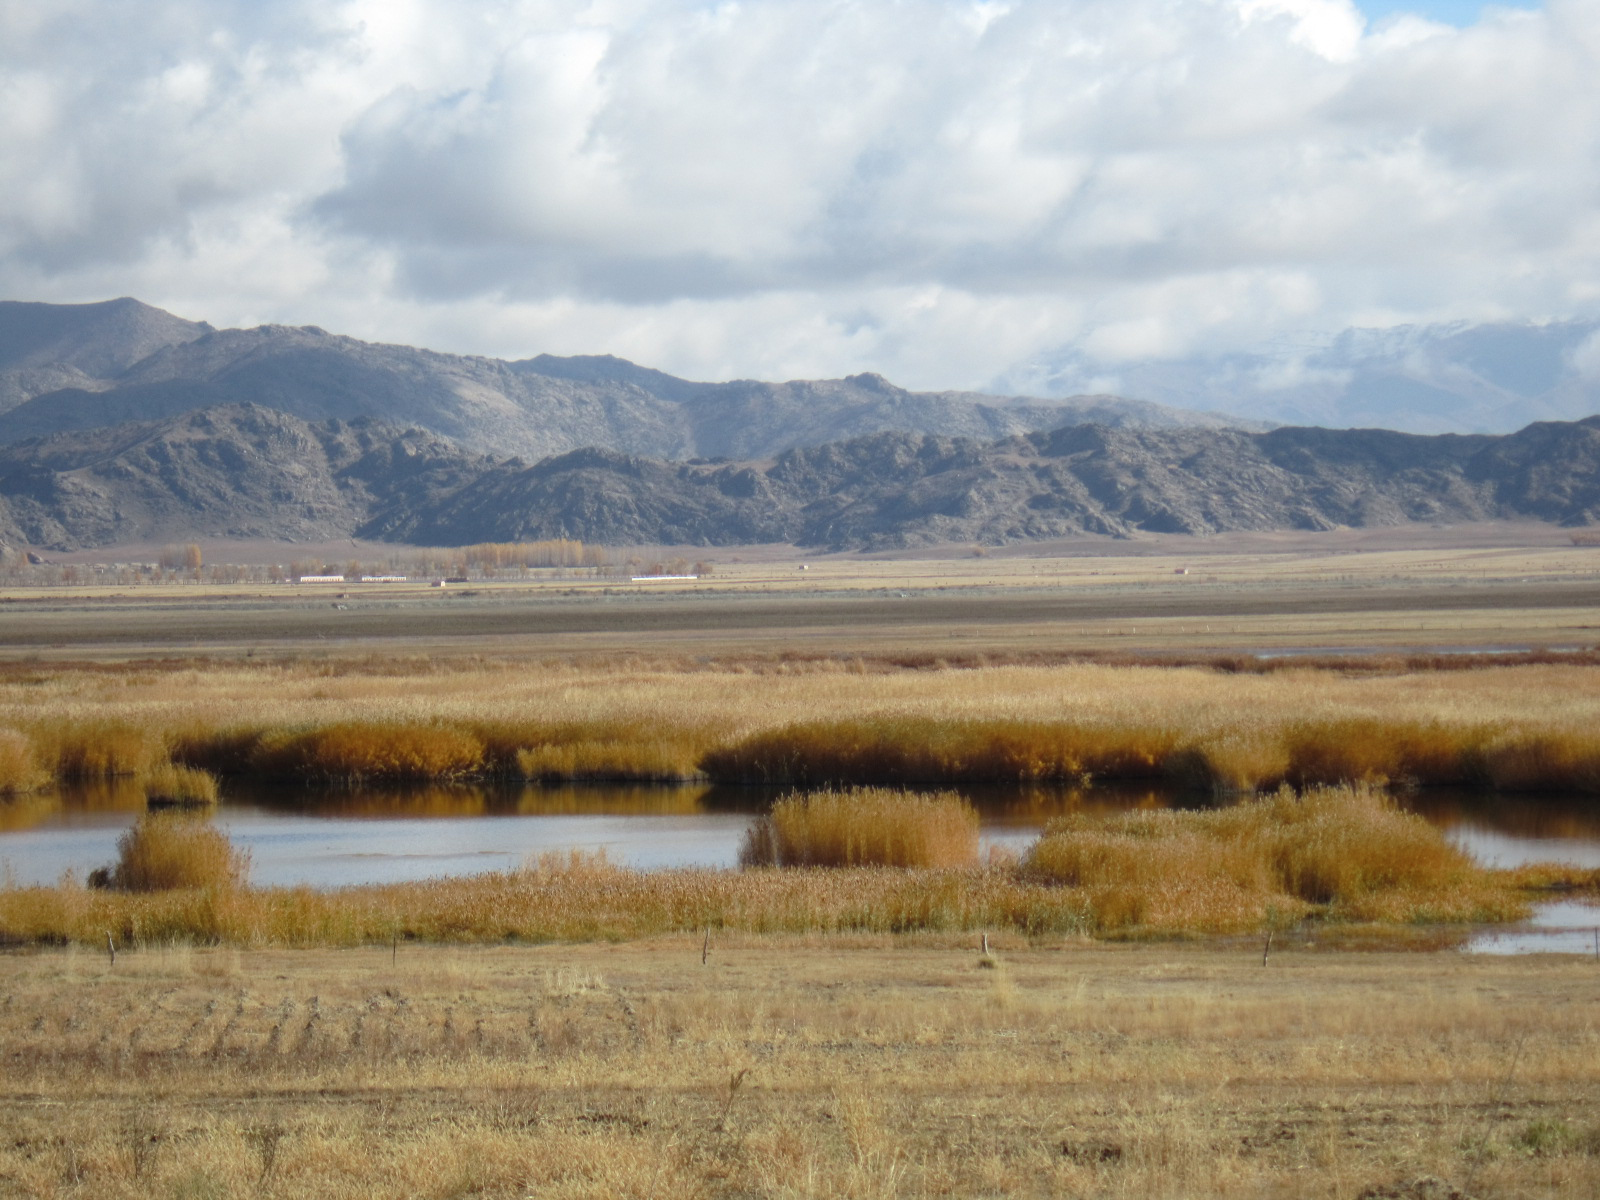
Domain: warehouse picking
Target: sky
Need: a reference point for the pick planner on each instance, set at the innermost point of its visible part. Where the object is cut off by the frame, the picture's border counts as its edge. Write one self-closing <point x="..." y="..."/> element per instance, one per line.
<point x="931" y="189"/>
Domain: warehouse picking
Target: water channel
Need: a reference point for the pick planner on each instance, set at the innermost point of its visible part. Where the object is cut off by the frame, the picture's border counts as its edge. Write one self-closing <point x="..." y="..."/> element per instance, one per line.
<point x="327" y="839"/>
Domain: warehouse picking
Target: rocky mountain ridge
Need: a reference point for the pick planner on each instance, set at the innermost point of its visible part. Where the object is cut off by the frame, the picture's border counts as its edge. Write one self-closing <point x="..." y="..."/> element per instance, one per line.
<point x="257" y="472"/>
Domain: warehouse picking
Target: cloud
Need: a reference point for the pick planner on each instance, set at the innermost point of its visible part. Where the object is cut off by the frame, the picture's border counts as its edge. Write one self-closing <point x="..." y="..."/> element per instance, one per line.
<point x="930" y="188"/>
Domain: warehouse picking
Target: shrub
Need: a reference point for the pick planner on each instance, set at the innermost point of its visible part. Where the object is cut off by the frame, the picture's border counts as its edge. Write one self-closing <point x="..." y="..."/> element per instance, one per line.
<point x="165" y="851"/>
<point x="865" y="827"/>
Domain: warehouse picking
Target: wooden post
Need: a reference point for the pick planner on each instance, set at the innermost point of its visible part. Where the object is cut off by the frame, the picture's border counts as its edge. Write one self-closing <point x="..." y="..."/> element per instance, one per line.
<point x="394" y="948"/>
<point x="986" y="943"/>
<point x="1266" y="949"/>
<point x="705" y="948"/>
<point x="111" y="947"/>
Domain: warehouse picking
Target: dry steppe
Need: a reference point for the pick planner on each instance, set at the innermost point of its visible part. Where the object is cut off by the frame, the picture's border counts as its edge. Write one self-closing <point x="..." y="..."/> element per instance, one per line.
<point x="798" y="1067"/>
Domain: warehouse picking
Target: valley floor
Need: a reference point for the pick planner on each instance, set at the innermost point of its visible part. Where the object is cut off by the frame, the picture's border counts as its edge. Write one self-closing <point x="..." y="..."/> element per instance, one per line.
<point x="1477" y="586"/>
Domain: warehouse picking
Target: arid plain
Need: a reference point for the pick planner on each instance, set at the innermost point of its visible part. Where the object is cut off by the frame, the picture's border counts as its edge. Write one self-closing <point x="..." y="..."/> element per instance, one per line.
<point x="1352" y="1058"/>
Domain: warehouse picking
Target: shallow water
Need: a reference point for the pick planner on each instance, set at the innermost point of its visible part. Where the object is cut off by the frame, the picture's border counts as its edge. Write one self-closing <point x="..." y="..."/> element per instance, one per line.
<point x="337" y="838"/>
<point x="329" y="839"/>
<point x="1562" y="927"/>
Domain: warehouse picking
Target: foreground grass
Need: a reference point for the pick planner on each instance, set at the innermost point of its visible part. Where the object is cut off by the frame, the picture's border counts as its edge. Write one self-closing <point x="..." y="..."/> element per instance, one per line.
<point x="1532" y="727"/>
<point x="796" y="1067"/>
<point x="1336" y="855"/>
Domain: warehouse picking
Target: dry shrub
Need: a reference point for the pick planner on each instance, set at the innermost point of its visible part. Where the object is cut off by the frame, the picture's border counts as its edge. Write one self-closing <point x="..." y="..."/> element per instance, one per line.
<point x="170" y="784"/>
<point x="1347" y="852"/>
<point x="167" y="851"/>
<point x="99" y="749"/>
<point x="865" y="827"/>
<point x="363" y="751"/>
<point x="19" y="768"/>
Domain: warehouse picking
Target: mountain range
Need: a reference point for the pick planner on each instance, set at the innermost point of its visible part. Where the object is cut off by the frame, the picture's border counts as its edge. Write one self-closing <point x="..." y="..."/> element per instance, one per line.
<point x="246" y="471"/>
<point x="88" y="366"/>
<point x="127" y="424"/>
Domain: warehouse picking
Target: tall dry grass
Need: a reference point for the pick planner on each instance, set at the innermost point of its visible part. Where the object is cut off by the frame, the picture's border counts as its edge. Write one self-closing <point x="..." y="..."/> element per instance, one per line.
<point x="1343" y="853"/>
<point x="865" y="827"/>
<point x="164" y="852"/>
<point x="171" y="784"/>
<point x="97" y="749"/>
<point x="19" y="766"/>
<point x="371" y="752"/>
<point x="906" y="749"/>
<point x="1530" y="728"/>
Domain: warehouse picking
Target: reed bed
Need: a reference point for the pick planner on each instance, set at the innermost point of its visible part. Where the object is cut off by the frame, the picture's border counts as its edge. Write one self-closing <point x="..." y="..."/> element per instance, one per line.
<point x="900" y="749"/>
<point x="1531" y="728"/>
<point x="1342" y="854"/>
<point x="865" y="827"/>
<point x="354" y="752"/>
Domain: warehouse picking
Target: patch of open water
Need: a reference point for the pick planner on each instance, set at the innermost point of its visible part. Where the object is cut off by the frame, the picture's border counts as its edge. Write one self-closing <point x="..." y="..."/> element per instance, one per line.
<point x="334" y="839"/>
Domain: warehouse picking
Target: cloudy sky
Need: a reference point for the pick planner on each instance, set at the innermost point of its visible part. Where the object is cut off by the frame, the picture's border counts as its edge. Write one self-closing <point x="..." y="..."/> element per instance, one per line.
<point x="933" y="189"/>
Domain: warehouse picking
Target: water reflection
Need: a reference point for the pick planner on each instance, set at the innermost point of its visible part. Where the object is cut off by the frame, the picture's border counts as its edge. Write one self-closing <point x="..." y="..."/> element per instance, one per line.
<point x="1501" y="830"/>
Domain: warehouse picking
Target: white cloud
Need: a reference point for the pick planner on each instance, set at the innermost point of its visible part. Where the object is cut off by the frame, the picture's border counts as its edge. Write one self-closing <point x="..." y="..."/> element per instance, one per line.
<point x="931" y="188"/>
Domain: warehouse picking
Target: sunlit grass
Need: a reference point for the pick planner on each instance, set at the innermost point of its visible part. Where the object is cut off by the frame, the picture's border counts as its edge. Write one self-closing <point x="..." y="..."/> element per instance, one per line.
<point x="19" y="766"/>
<point x="166" y="852"/>
<point x="1343" y="853"/>
<point x="865" y="827"/>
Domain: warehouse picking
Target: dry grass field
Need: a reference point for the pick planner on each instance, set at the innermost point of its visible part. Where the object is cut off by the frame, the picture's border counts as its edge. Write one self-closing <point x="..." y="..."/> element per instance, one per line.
<point x="819" y="1067"/>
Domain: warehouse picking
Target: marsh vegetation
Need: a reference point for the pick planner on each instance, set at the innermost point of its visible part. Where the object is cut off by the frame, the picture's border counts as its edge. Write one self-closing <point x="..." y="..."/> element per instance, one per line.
<point x="1531" y="727"/>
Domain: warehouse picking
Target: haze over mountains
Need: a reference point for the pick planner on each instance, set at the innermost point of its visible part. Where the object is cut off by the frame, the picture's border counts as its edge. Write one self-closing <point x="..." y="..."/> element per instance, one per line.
<point x="1455" y="378"/>
<point x="123" y="423"/>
